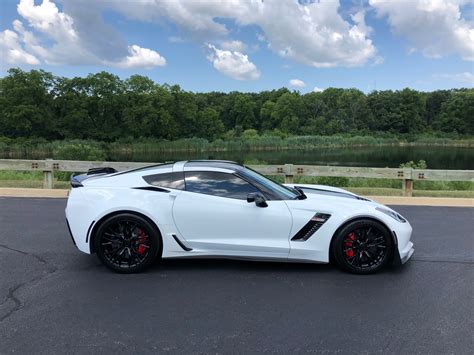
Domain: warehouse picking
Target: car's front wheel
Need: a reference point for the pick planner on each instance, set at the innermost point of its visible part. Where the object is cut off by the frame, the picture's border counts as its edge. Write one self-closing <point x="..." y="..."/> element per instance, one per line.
<point x="362" y="247"/>
<point x="127" y="243"/>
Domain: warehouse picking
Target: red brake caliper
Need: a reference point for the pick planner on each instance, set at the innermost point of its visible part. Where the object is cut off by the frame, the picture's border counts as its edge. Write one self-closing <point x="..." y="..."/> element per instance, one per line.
<point x="141" y="240"/>
<point x="348" y="243"/>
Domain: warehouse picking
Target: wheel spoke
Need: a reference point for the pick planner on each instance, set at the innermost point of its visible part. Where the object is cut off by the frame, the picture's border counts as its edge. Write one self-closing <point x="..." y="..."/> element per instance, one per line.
<point x="125" y="244"/>
<point x="367" y="250"/>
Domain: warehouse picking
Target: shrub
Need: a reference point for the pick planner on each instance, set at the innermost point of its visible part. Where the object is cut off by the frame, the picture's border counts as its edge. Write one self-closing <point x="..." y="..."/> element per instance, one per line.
<point x="78" y="150"/>
<point x="250" y="133"/>
<point x="411" y="164"/>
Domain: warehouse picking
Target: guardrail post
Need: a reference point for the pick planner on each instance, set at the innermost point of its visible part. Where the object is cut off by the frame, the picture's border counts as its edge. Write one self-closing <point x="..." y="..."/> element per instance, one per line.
<point x="48" y="177"/>
<point x="407" y="187"/>
<point x="288" y="170"/>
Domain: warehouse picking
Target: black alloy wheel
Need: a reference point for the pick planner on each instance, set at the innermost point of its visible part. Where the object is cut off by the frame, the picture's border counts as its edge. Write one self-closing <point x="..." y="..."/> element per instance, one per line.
<point x="127" y="243"/>
<point x="362" y="247"/>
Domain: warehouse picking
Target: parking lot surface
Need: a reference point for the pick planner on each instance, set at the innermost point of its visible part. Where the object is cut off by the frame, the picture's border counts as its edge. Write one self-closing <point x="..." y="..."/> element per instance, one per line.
<point x="54" y="299"/>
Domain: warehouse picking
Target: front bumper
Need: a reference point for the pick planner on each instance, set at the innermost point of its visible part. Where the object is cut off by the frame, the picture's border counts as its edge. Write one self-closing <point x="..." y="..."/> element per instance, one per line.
<point x="404" y="246"/>
<point x="406" y="253"/>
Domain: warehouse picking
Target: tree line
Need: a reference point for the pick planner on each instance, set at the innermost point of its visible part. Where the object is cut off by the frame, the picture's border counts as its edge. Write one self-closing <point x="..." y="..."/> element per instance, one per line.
<point x="101" y="106"/>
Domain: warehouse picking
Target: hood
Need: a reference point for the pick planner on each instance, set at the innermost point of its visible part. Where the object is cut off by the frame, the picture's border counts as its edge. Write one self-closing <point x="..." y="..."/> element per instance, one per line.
<point x="328" y="191"/>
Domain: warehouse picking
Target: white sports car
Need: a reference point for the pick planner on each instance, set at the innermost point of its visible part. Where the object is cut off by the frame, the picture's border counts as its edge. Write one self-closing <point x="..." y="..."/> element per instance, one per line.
<point x="223" y="209"/>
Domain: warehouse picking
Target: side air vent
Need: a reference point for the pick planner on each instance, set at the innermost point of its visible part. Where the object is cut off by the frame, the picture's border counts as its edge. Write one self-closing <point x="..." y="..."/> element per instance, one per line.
<point x="311" y="227"/>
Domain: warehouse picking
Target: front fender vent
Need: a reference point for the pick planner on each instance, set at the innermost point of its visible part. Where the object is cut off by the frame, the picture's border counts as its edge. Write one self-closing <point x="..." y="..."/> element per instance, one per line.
<point x="311" y="227"/>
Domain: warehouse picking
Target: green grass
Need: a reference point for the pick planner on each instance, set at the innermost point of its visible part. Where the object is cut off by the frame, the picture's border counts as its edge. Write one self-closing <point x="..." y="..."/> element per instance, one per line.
<point x="31" y="179"/>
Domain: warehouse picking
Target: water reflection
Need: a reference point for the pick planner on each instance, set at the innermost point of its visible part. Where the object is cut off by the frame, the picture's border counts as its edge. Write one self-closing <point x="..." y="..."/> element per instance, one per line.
<point x="389" y="156"/>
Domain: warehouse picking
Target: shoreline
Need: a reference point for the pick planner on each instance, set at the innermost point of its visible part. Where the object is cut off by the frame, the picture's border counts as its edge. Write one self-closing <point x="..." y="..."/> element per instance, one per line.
<point x="244" y="145"/>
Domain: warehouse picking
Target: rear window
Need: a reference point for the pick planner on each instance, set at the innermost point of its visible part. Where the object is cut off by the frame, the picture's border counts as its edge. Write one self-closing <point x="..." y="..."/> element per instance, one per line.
<point x="166" y="180"/>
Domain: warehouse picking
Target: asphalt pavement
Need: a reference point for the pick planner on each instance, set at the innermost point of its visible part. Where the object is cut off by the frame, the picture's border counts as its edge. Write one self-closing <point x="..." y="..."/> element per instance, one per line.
<point x="54" y="299"/>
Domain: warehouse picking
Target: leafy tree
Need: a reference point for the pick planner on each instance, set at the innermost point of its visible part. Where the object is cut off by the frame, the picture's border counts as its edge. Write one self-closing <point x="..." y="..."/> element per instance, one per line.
<point x="266" y="112"/>
<point x="412" y="111"/>
<point x="242" y="112"/>
<point x="209" y="125"/>
<point x="434" y="101"/>
<point x="103" y="107"/>
<point x="457" y="113"/>
<point x="26" y="104"/>
<point x="287" y="112"/>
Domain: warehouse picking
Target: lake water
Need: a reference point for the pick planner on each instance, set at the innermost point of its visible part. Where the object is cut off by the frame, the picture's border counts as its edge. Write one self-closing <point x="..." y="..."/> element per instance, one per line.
<point x="386" y="156"/>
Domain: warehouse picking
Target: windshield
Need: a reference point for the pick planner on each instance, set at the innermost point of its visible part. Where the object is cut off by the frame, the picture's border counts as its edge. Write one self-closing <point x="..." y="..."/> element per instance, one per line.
<point x="283" y="192"/>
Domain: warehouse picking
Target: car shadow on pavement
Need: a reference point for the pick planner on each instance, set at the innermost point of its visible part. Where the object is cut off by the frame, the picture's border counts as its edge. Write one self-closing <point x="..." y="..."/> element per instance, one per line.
<point x="209" y="264"/>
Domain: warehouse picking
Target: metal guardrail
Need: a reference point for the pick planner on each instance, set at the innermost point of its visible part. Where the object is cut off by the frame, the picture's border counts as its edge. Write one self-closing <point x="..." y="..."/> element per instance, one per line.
<point x="289" y="171"/>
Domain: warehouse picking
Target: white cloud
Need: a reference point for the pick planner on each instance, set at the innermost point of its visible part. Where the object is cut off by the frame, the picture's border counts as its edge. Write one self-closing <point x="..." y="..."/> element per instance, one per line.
<point x="434" y="27"/>
<point x="378" y="60"/>
<point x="465" y="77"/>
<point x="297" y="83"/>
<point x="29" y="40"/>
<point x="234" y="45"/>
<point x="47" y="18"/>
<point x="313" y="33"/>
<point x="76" y="35"/>
<point x="175" y="39"/>
<point x="316" y="89"/>
<point x="142" y="58"/>
<point x="261" y="37"/>
<point x="232" y="63"/>
<point x="12" y="50"/>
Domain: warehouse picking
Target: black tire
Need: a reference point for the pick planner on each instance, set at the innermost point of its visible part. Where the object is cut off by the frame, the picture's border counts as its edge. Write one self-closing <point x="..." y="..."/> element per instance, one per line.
<point x="127" y="243"/>
<point x="362" y="247"/>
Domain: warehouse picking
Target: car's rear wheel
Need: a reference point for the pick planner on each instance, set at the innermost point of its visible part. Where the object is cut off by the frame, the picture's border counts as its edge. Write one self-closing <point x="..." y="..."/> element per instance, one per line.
<point x="127" y="243"/>
<point x="362" y="247"/>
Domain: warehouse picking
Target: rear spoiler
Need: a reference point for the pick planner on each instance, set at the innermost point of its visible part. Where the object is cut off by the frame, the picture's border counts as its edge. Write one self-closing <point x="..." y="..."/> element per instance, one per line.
<point x="105" y="170"/>
<point x="76" y="180"/>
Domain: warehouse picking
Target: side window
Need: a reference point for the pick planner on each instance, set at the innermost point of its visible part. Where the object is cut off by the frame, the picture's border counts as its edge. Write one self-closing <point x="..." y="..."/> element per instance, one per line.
<point x="166" y="180"/>
<point x="218" y="184"/>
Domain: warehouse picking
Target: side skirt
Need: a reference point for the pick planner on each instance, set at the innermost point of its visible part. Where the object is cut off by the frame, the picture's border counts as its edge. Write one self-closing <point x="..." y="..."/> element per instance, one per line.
<point x="245" y="258"/>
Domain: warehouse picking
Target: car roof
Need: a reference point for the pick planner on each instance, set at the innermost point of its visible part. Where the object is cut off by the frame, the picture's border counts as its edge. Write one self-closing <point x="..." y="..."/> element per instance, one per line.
<point x="182" y="165"/>
<point x="222" y="164"/>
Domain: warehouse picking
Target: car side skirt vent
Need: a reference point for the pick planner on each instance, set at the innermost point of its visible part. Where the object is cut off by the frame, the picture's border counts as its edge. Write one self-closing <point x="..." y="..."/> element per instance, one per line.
<point x="311" y="227"/>
<point x="180" y="243"/>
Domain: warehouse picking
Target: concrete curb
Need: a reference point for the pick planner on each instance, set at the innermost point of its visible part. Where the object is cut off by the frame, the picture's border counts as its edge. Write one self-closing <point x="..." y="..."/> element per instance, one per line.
<point x="386" y="200"/>
<point x="28" y="192"/>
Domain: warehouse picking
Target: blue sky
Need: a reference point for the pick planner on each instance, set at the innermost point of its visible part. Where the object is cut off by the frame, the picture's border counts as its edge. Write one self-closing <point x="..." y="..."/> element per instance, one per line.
<point x="215" y="45"/>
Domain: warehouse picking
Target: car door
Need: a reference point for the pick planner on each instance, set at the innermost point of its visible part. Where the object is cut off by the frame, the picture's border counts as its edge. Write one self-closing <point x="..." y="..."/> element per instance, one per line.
<point x="214" y="217"/>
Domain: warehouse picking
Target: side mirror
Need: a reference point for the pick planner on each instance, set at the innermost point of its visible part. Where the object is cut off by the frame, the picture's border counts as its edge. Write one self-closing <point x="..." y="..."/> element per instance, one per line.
<point x="258" y="198"/>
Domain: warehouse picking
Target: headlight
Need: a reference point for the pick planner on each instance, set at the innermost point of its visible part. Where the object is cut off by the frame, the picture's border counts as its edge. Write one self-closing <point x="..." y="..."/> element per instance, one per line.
<point x="392" y="214"/>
